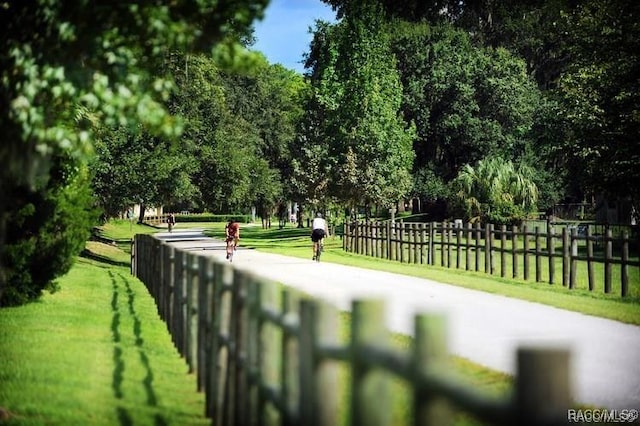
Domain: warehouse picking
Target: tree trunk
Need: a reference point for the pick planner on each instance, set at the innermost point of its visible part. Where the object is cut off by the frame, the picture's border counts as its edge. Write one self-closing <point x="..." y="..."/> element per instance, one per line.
<point x="300" y="224"/>
<point x="141" y="217"/>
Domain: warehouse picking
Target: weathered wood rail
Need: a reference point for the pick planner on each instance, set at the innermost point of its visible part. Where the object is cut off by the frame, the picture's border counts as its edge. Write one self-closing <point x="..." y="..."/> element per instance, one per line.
<point x="518" y="252"/>
<point x="262" y="354"/>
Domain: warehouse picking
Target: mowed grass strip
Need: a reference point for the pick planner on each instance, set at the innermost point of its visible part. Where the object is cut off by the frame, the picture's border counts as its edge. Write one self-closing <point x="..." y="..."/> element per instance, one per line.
<point x="94" y="353"/>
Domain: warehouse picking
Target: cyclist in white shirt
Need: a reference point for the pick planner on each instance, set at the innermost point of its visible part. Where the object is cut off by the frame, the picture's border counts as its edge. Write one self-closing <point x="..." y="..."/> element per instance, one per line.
<point x="319" y="230"/>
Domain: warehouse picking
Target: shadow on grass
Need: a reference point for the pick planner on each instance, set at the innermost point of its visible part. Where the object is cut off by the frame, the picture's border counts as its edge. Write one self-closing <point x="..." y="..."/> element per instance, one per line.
<point x="124" y="289"/>
<point x="103" y="259"/>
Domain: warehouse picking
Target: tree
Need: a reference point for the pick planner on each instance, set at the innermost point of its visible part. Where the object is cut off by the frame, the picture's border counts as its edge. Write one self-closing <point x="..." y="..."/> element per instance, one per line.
<point x="140" y="169"/>
<point x="65" y="66"/>
<point x="369" y="142"/>
<point x="466" y="102"/>
<point x="599" y="99"/>
<point x="46" y="228"/>
<point x="496" y="191"/>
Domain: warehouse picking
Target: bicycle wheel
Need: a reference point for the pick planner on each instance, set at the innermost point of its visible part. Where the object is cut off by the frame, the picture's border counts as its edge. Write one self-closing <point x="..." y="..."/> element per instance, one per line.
<point x="229" y="251"/>
<point x="318" y="253"/>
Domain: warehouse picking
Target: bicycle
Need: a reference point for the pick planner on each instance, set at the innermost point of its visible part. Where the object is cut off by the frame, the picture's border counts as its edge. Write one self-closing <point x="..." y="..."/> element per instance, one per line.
<point x="319" y="249"/>
<point x="231" y="248"/>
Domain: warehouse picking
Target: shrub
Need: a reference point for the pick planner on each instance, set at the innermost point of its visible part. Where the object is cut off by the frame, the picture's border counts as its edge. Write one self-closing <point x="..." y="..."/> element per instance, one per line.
<point x="47" y="228"/>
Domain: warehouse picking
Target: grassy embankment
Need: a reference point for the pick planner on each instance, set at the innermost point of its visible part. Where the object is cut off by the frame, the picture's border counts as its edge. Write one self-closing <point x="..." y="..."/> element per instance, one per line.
<point x="94" y="353"/>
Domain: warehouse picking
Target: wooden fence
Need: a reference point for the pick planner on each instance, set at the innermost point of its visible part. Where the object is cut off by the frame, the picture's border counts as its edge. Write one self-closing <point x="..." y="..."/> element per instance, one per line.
<point x="262" y="354"/>
<point x="518" y="252"/>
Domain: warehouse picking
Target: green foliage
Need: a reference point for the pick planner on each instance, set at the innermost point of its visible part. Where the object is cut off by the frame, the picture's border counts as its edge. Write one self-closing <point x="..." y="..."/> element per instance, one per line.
<point x="46" y="230"/>
<point x="599" y="98"/>
<point x="359" y="94"/>
<point x="496" y="191"/>
<point x="208" y="217"/>
<point x="467" y="102"/>
<point x="139" y="168"/>
<point x="69" y="68"/>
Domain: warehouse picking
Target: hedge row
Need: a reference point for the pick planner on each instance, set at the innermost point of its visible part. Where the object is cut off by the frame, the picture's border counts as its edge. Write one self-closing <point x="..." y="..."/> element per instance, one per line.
<point x="208" y="217"/>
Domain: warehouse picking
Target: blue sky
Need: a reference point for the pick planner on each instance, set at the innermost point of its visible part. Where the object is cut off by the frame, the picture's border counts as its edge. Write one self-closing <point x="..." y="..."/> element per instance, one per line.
<point x="283" y="35"/>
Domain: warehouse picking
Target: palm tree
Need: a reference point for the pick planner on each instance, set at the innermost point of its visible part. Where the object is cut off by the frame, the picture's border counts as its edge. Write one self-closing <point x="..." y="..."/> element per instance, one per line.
<point x="497" y="190"/>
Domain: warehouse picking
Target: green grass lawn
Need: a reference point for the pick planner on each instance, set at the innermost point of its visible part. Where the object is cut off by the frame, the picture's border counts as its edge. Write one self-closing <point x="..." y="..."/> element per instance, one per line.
<point x="94" y="353"/>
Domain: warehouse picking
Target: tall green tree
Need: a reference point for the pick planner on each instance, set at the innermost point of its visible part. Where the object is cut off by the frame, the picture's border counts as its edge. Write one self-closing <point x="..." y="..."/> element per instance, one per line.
<point x="369" y="142"/>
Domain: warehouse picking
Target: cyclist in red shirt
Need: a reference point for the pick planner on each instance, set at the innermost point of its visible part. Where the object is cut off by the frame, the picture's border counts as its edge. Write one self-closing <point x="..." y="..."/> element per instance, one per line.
<point x="232" y="234"/>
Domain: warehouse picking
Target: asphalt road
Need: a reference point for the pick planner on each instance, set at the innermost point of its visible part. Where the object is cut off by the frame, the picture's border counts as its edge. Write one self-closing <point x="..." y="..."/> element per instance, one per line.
<point x="484" y="328"/>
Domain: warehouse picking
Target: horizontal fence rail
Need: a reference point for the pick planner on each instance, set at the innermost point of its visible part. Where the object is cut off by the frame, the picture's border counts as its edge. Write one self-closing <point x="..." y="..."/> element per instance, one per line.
<point x="263" y="354"/>
<point x="512" y="252"/>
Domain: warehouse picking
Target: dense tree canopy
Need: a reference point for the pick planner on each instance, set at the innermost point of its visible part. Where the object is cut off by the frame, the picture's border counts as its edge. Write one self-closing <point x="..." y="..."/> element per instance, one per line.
<point x="67" y="66"/>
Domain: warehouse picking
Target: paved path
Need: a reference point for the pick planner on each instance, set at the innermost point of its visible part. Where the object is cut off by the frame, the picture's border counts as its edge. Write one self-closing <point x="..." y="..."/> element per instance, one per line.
<point x="485" y="328"/>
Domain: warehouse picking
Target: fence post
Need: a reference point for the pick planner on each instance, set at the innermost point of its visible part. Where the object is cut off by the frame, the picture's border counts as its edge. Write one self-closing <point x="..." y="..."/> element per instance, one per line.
<point x="134" y="248"/>
<point x="608" y="256"/>
<point x="458" y="243"/>
<point x="368" y="329"/>
<point x="624" y="267"/>
<point x="429" y="355"/>
<point x="205" y="302"/>
<point x="444" y="245"/>
<point x="215" y="403"/>
<point x="253" y="350"/>
<point x="449" y="242"/>
<point x="345" y="236"/>
<point x="289" y="371"/>
<point x="239" y="368"/>
<point x="538" y="255"/>
<point x="468" y="246"/>
<point x="514" y="251"/>
<point x="543" y="389"/>
<point x="318" y="377"/>
<point x="401" y="257"/>
<point x="422" y="242"/>
<point x="590" y="273"/>
<point x="192" y="312"/>
<point x="573" y="269"/>
<point x="566" y="256"/>
<point x="488" y="248"/>
<point x="525" y="251"/>
<point x="551" y="248"/>
<point x="431" y="253"/>
<point x="179" y="293"/>
<point x="477" y="246"/>
<point x="503" y="251"/>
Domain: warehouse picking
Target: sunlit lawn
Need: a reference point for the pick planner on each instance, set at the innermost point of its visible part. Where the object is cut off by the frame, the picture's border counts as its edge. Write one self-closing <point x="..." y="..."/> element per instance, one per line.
<point x="94" y="353"/>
